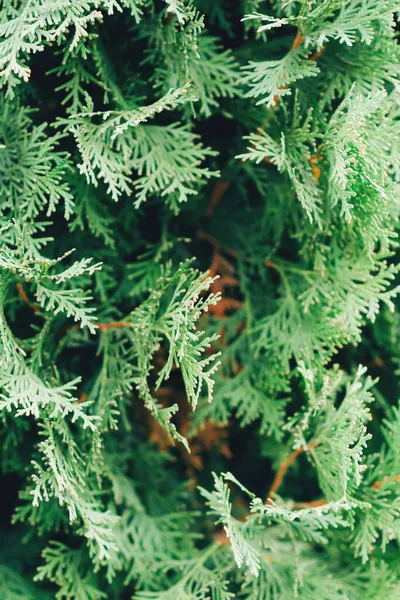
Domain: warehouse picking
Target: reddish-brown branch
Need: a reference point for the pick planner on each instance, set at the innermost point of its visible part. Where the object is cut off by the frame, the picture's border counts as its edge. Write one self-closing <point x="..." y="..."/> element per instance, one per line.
<point x="113" y="325"/>
<point x="100" y="326"/>
<point x="221" y="266"/>
<point x="217" y="192"/>
<point x="22" y="293"/>
<point x="298" y="40"/>
<point x="82" y="398"/>
<point x="313" y="162"/>
<point x="203" y="235"/>
<point x="24" y="298"/>
<point x="311" y="504"/>
<point x="317" y="54"/>
<point x="322" y="501"/>
<point x="220" y="310"/>
<point x="277" y="482"/>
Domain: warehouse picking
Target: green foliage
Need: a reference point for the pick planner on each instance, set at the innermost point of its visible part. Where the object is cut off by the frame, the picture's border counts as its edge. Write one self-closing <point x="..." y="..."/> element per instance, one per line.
<point x="218" y="427"/>
<point x="270" y="80"/>
<point x="174" y="322"/>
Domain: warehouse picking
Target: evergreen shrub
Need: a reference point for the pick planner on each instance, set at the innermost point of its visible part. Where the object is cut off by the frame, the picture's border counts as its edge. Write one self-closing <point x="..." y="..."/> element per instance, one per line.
<point x="199" y="347"/>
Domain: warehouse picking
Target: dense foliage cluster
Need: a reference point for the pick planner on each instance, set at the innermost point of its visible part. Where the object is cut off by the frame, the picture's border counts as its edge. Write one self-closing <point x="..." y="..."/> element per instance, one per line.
<point x="198" y="264"/>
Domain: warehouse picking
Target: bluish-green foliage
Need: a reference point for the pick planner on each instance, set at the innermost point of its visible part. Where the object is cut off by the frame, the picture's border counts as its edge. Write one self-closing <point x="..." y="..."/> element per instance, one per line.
<point x="199" y="347"/>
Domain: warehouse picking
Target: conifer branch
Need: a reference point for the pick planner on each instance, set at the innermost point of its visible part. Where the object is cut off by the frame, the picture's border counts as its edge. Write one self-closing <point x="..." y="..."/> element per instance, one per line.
<point x="245" y="351"/>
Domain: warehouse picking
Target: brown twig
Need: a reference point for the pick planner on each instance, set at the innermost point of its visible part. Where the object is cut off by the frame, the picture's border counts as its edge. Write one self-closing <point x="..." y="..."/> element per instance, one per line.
<point x="311" y="504"/>
<point x="217" y="192"/>
<point x="268" y="263"/>
<point x="298" y="40"/>
<point x="321" y="501"/>
<point x="313" y="162"/>
<point x="203" y="235"/>
<point x="169" y="18"/>
<point x="24" y="298"/>
<point x="317" y="54"/>
<point x="277" y="482"/>
<point x="82" y="398"/>
<point x="113" y="325"/>
<point x="100" y="326"/>
<point x="221" y="267"/>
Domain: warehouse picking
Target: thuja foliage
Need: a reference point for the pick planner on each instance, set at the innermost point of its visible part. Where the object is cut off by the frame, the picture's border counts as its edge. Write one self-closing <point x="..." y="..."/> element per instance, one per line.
<point x="198" y="264"/>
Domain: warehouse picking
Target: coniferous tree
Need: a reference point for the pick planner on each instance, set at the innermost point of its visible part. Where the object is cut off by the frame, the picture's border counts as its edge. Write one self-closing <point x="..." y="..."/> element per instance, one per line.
<point x="198" y="271"/>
